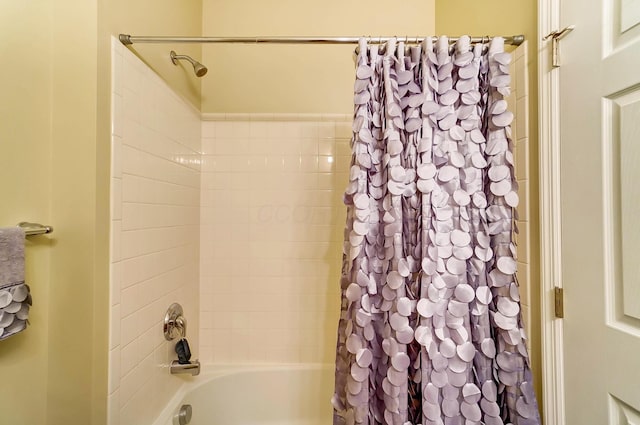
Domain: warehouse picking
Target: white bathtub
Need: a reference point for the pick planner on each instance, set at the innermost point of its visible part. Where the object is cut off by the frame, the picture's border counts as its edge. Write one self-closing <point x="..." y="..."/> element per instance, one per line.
<point x="256" y="395"/>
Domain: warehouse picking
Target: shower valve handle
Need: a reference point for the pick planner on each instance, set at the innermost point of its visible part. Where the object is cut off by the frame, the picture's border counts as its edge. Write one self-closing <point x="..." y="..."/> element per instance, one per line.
<point x="183" y="351"/>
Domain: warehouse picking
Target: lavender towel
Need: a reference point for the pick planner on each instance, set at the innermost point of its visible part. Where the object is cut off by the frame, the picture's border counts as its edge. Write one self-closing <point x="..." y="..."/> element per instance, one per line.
<point x="15" y="298"/>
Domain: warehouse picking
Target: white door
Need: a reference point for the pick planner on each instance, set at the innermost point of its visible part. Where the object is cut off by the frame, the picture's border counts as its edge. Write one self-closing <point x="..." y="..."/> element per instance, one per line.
<point x="600" y="202"/>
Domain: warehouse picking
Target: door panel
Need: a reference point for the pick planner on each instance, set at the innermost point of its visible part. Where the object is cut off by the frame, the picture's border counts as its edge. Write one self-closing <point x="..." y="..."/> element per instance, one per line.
<point x="600" y="190"/>
<point x="629" y="13"/>
<point x="622" y="413"/>
<point x="622" y="192"/>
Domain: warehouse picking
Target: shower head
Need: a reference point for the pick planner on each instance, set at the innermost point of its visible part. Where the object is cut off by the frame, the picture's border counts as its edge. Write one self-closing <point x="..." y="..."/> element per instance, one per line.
<point x="198" y="68"/>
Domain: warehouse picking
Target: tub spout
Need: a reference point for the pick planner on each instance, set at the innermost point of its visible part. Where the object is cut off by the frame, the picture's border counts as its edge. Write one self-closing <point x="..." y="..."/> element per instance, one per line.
<point x="192" y="368"/>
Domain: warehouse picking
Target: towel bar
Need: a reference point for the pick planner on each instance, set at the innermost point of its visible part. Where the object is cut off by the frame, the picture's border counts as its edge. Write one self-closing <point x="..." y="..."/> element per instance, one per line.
<point x="33" y="229"/>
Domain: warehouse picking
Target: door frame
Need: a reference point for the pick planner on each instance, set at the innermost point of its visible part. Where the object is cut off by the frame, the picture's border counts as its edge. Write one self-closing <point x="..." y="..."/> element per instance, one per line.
<point x="550" y="220"/>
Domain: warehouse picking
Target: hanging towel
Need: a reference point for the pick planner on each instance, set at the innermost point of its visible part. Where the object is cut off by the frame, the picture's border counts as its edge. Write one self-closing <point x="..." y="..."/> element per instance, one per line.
<point x="15" y="298"/>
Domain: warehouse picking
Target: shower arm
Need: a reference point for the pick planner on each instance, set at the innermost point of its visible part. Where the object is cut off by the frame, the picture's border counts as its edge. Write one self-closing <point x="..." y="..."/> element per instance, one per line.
<point x="127" y="39"/>
<point x="198" y="68"/>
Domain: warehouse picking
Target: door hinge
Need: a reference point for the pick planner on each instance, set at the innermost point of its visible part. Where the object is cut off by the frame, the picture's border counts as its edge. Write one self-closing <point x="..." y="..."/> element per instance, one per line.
<point x="559" y="302"/>
<point x="555" y="37"/>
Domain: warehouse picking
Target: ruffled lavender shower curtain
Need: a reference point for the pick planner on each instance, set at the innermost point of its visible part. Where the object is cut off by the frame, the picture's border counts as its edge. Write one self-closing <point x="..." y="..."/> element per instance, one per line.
<point x="430" y="330"/>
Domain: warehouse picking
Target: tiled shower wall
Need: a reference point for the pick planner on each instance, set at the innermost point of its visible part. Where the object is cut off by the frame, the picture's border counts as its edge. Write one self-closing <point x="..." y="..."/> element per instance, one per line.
<point x="518" y="103"/>
<point x="155" y="197"/>
<point x="272" y="220"/>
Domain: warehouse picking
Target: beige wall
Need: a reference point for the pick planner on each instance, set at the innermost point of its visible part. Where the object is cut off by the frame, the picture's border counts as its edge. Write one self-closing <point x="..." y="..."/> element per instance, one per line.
<point x="508" y="17"/>
<point x="25" y="167"/>
<point x="298" y="78"/>
<point x="48" y="172"/>
<point x="54" y="168"/>
<point x="72" y="391"/>
<point x="157" y="17"/>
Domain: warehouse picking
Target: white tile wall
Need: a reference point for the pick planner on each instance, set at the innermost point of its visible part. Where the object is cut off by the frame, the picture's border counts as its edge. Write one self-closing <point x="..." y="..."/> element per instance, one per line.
<point x="519" y="104"/>
<point x="155" y="201"/>
<point x="272" y="220"/>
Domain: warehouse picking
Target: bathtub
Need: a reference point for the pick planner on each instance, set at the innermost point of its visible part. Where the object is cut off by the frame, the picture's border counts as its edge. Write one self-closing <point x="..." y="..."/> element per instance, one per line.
<point x="256" y="395"/>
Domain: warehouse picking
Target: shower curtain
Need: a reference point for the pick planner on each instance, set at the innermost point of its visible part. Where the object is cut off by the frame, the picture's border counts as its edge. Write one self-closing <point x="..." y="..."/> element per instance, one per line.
<point x="430" y="329"/>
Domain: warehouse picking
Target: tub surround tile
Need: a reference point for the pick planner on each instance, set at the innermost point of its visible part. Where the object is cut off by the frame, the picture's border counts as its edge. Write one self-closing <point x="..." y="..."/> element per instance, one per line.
<point x="154" y="236"/>
<point x="113" y="412"/>
<point x="288" y="229"/>
<point x="520" y="92"/>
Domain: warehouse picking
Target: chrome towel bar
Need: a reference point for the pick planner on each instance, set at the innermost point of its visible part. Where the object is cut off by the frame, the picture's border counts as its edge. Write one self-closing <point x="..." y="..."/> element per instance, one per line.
<point x="33" y="229"/>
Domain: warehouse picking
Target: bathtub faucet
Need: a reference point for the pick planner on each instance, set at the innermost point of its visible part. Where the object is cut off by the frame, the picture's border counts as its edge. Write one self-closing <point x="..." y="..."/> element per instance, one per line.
<point x="192" y="368"/>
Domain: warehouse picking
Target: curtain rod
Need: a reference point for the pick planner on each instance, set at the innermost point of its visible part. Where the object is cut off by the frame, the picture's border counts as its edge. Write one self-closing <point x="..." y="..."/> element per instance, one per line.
<point x="127" y="39"/>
